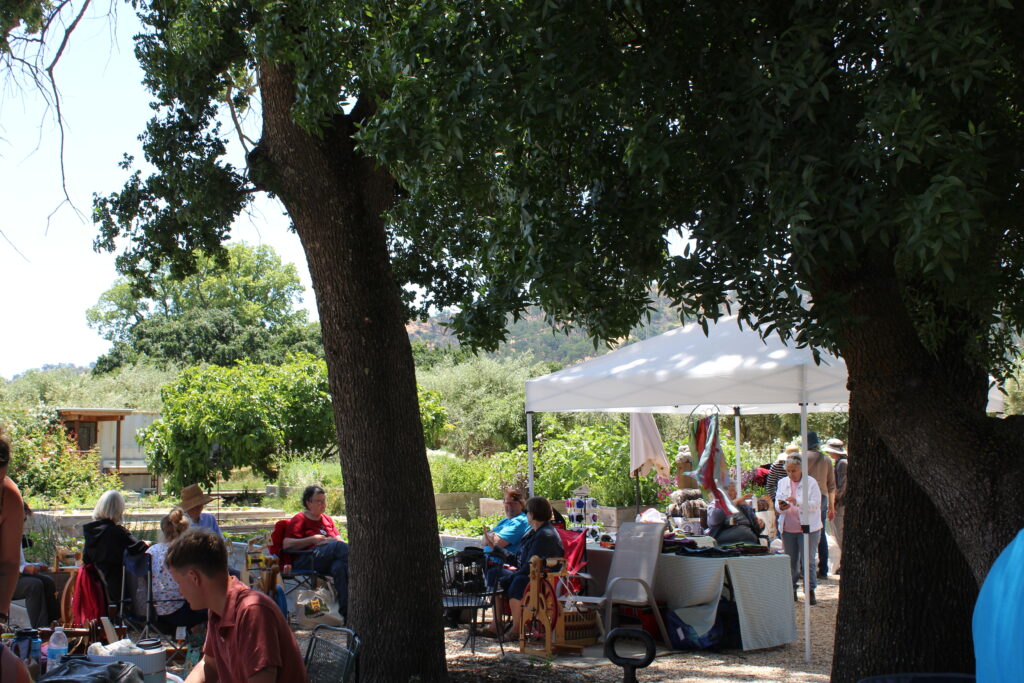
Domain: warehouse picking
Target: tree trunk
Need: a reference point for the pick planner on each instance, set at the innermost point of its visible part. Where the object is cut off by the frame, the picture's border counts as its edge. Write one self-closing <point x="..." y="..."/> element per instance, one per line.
<point x="928" y="406"/>
<point x="907" y="594"/>
<point x="335" y="198"/>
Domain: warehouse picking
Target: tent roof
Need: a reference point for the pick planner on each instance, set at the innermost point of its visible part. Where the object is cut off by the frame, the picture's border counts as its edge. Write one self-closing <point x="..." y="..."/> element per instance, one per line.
<point x="683" y="370"/>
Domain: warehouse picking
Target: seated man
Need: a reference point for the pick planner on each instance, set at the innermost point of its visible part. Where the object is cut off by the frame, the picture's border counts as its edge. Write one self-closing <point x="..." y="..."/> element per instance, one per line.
<point x="510" y="531"/>
<point x="247" y="638"/>
<point x="314" y="529"/>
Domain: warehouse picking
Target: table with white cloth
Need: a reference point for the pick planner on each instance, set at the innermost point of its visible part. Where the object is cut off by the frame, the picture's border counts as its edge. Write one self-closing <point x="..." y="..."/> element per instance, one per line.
<point x="692" y="586"/>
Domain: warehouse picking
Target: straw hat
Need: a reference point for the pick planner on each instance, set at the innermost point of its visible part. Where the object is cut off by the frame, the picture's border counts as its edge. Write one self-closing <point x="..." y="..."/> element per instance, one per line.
<point x="835" y="446"/>
<point x="193" y="496"/>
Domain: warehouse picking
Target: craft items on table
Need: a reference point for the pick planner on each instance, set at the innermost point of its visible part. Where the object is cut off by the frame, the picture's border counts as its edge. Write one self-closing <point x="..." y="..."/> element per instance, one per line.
<point x="581" y="513"/>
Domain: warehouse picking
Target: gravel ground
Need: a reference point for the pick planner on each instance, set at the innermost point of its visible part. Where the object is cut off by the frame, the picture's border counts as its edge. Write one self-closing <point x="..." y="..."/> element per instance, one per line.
<point x="785" y="663"/>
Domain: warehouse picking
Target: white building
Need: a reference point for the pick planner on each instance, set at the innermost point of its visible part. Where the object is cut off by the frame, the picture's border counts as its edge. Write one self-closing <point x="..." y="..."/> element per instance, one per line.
<point x="113" y="431"/>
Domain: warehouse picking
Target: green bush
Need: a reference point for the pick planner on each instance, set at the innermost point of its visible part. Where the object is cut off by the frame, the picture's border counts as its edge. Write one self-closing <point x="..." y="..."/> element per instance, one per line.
<point x="46" y="462"/>
<point x="457" y="526"/>
<point x="484" y="399"/>
<point x="452" y="474"/>
<point x="596" y="455"/>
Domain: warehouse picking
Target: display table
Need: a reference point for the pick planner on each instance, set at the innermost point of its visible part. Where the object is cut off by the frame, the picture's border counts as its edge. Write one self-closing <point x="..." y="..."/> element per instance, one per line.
<point x="692" y="586"/>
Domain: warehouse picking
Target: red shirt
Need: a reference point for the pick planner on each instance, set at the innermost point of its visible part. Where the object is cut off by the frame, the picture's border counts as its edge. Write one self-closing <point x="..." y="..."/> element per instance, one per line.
<point x="301" y="526"/>
<point x="251" y="636"/>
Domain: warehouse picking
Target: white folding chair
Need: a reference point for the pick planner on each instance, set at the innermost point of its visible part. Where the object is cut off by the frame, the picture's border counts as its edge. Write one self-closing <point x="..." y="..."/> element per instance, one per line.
<point x="631" y="576"/>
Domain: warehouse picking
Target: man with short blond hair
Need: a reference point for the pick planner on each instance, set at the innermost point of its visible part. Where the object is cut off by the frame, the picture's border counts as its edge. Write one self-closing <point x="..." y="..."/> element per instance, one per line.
<point x="247" y="638"/>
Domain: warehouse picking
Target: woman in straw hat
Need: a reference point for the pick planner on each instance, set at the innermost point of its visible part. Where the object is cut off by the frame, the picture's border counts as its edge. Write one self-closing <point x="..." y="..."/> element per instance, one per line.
<point x="193" y="500"/>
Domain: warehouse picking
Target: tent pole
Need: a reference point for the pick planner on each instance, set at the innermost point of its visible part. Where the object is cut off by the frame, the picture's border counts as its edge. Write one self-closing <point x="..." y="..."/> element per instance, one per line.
<point x="805" y="525"/>
<point x="736" y="434"/>
<point x="529" y="451"/>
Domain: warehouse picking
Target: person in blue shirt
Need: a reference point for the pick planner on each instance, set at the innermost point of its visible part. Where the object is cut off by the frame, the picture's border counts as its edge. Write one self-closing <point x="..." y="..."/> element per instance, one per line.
<point x="999" y="618"/>
<point x="193" y="500"/>
<point x="507" y="533"/>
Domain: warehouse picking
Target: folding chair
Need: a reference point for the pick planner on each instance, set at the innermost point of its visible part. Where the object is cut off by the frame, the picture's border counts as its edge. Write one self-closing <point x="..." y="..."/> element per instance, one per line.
<point x="631" y="576"/>
<point x="301" y="578"/>
<point x="138" y="606"/>
<point x="328" y="661"/>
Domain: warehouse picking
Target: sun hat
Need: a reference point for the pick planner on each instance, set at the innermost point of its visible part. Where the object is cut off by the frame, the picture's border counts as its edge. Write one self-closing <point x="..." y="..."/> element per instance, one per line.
<point x="193" y="496"/>
<point x="835" y="446"/>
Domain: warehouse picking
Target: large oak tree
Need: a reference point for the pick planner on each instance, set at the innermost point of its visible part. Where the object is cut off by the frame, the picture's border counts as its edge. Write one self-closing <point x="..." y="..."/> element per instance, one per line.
<point x="847" y="175"/>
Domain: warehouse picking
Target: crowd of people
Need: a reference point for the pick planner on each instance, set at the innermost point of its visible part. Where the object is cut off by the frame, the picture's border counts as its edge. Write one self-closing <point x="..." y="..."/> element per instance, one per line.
<point x="247" y="634"/>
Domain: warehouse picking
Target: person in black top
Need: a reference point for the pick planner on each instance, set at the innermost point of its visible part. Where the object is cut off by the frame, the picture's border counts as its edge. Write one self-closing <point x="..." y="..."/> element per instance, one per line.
<point x="106" y="542"/>
<point x="541" y="541"/>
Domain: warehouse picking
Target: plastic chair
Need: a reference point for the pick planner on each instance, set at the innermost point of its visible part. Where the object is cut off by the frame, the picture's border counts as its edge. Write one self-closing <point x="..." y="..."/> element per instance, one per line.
<point x="631" y="576"/>
<point x="328" y="661"/>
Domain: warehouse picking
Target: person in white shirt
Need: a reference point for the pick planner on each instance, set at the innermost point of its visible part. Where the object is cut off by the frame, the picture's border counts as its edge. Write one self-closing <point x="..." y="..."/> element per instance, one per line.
<point x="788" y="499"/>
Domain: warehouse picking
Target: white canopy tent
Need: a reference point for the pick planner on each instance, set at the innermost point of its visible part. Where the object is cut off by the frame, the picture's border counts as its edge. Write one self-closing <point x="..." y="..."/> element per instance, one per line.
<point x="684" y="370"/>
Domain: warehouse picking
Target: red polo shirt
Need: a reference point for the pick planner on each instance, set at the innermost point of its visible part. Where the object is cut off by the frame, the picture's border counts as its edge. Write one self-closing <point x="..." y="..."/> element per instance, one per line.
<point x="301" y="526"/>
<point x="251" y="636"/>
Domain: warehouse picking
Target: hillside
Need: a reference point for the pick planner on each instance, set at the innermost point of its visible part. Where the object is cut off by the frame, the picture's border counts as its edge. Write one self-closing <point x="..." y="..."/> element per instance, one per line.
<point x="532" y="334"/>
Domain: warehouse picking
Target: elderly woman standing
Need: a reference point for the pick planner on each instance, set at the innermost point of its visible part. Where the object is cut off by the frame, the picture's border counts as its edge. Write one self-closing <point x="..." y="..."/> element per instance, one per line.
<point x="788" y="498"/>
<point x="106" y="541"/>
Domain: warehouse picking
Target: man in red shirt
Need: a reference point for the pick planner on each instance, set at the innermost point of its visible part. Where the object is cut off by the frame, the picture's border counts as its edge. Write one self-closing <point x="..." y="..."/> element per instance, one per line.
<point x="313" y="529"/>
<point x="247" y="638"/>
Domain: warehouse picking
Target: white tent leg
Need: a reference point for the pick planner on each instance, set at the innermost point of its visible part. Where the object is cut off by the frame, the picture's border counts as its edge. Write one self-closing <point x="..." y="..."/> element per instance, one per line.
<point x="805" y="525"/>
<point x="529" y="451"/>
<point x="736" y="434"/>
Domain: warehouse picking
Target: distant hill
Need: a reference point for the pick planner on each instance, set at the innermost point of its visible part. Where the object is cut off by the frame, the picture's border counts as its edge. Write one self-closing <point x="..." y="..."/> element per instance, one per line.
<point x="534" y="335"/>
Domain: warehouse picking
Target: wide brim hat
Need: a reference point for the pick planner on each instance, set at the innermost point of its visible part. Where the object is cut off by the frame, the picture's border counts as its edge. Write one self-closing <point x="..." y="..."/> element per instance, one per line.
<point x="834" y="446"/>
<point x="193" y="496"/>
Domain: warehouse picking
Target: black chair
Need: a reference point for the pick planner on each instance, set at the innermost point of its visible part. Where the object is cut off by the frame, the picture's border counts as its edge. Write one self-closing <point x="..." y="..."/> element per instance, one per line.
<point x="328" y="661"/>
<point x="463" y="589"/>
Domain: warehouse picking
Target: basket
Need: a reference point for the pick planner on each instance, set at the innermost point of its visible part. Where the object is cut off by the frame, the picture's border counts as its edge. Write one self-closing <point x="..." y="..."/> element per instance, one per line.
<point x="576" y="628"/>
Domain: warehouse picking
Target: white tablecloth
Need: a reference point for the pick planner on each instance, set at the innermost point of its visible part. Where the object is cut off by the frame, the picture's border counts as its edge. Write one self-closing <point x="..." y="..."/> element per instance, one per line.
<point x="692" y="586"/>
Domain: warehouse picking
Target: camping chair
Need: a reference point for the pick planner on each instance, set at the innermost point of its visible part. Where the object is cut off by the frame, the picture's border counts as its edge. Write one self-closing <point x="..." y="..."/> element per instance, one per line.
<point x="328" y="661"/>
<point x="138" y="606"/>
<point x="300" y="578"/>
<point x="464" y="588"/>
<point x="631" y="576"/>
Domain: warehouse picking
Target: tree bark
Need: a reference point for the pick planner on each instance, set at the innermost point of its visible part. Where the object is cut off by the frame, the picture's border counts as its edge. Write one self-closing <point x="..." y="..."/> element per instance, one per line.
<point x="928" y="407"/>
<point x="335" y="198"/>
<point x="907" y="594"/>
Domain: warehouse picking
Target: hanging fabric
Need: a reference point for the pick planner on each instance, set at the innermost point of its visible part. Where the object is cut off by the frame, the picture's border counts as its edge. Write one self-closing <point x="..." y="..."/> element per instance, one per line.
<point x="711" y="468"/>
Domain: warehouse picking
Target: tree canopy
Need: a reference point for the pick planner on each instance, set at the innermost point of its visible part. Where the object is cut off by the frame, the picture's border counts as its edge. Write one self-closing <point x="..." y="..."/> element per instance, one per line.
<point x="246" y="308"/>
<point x="844" y="174"/>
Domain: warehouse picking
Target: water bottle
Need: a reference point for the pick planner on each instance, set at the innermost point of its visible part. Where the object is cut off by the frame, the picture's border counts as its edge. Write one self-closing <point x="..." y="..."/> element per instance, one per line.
<point x="37" y="646"/>
<point x="58" y="648"/>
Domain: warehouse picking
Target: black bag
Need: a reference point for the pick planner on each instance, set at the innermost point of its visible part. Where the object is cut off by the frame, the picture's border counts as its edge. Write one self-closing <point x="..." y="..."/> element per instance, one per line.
<point x="80" y="670"/>
<point x="468" y="572"/>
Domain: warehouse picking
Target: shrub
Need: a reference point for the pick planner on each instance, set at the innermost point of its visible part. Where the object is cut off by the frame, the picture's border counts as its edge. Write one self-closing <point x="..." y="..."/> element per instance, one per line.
<point x="452" y="474"/>
<point x="46" y="462"/>
<point x="457" y="526"/>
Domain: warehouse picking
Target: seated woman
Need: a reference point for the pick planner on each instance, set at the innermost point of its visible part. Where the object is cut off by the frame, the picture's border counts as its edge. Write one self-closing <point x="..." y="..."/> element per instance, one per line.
<point x="171" y="608"/>
<point x="541" y="541"/>
<point x="37" y="589"/>
<point x="106" y="542"/>
<point x="313" y="529"/>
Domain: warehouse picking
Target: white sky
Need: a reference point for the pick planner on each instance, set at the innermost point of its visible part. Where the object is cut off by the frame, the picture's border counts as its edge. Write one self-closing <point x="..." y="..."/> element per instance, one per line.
<point x="44" y="294"/>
